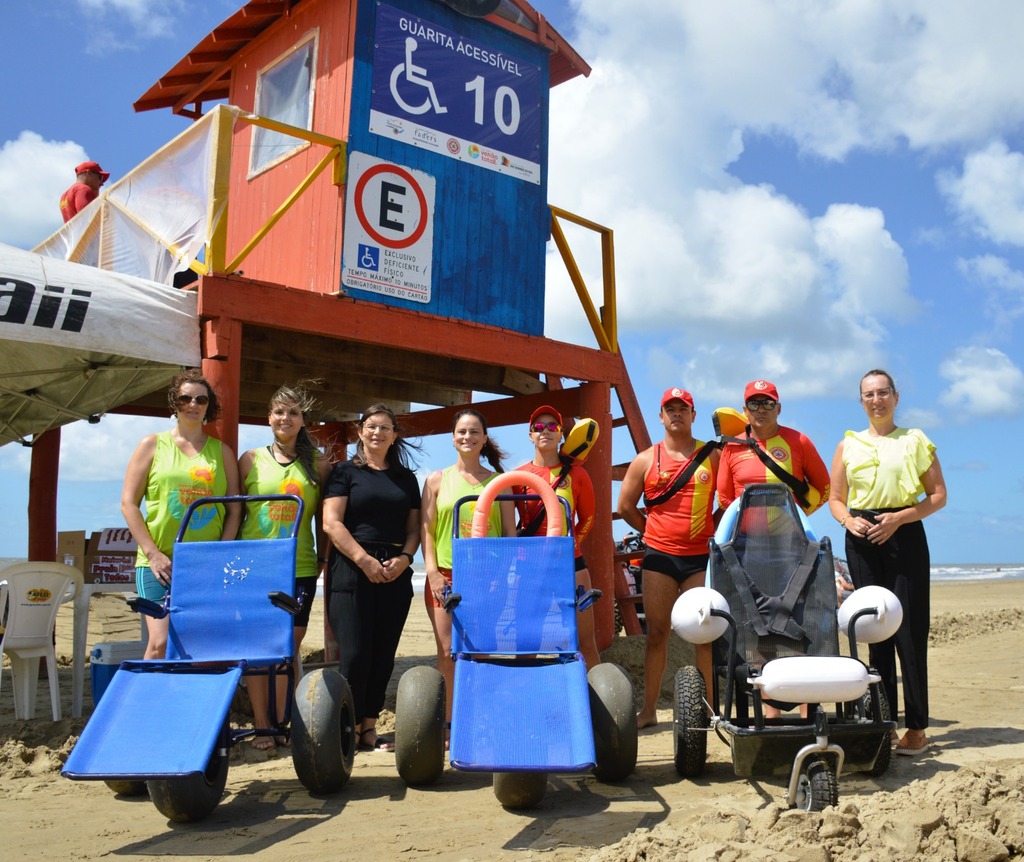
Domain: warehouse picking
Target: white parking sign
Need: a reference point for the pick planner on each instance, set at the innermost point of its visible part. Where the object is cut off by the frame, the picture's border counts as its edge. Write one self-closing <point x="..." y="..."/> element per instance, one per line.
<point x="389" y="229"/>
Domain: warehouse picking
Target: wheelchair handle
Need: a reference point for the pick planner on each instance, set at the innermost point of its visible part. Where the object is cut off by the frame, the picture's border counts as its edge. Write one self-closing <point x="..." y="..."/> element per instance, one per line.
<point x="472" y="498"/>
<point x="506" y="480"/>
<point x="242" y="498"/>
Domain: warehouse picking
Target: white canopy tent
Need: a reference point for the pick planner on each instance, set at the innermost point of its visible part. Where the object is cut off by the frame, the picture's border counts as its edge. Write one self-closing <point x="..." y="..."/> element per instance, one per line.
<point x="76" y="341"/>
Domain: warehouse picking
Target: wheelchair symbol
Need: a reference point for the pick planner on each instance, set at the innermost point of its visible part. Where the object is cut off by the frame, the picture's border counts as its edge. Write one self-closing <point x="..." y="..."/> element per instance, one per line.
<point x="415" y="75"/>
<point x="369" y="257"/>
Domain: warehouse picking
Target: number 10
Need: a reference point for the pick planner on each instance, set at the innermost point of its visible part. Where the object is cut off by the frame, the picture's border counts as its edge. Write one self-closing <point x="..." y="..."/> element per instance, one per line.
<point x="502" y="97"/>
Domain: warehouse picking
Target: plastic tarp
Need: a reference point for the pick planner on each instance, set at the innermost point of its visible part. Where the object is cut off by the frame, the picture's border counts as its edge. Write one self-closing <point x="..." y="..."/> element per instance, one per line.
<point x="77" y="341"/>
<point x="156" y="220"/>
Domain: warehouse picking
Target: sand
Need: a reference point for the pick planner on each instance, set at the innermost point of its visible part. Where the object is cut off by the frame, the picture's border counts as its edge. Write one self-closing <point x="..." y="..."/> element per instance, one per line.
<point x="962" y="800"/>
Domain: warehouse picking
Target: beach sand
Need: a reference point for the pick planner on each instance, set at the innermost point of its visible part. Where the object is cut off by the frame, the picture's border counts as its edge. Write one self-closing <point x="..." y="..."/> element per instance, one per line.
<point x="962" y="800"/>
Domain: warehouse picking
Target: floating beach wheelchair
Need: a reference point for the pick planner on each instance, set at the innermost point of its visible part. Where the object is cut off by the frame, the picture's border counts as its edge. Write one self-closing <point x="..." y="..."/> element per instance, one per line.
<point x="523" y="704"/>
<point x="162" y="725"/>
<point x="770" y="611"/>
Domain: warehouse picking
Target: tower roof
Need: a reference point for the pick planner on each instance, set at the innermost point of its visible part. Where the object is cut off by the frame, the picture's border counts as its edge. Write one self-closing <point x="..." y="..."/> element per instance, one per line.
<point x="204" y="74"/>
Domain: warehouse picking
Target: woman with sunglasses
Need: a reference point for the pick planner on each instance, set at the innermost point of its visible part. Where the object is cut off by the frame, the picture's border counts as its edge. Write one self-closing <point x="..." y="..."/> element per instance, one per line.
<point x="887" y="480"/>
<point x="291" y="464"/>
<point x="443" y="488"/>
<point x="372" y="517"/>
<point x="169" y="471"/>
<point x="572" y="483"/>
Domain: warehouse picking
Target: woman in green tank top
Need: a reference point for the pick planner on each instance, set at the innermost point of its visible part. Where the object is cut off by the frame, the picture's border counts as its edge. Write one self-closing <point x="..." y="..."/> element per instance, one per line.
<point x="170" y="470"/>
<point x="466" y="477"/>
<point x="291" y="464"/>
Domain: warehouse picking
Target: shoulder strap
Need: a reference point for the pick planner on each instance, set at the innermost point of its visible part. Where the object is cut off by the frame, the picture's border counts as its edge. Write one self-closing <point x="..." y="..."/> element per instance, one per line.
<point x="684" y="476"/>
<point x="782" y="620"/>
<point x="798" y="486"/>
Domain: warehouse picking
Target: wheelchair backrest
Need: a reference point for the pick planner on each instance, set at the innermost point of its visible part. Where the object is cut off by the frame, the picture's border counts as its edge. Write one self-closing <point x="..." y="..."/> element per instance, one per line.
<point x="778" y="579"/>
<point x="517" y="596"/>
<point x="218" y="600"/>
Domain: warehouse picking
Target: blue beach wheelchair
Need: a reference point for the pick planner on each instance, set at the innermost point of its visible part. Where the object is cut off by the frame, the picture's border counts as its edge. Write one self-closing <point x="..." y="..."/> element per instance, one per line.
<point x="524" y="704"/>
<point x="769" y="610"/>
<point x="162" y="725"/>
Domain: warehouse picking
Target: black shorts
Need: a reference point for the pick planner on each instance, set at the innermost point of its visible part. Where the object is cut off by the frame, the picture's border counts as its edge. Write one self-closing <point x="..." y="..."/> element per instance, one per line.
<point x="305" y="593"/>
<point x="677" y="567"/>
<point x="581" y="564"/>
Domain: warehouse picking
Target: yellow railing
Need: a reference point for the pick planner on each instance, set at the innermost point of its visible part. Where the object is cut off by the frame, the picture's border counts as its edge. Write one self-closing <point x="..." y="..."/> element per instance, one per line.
<point x="335" y="156"/>
<point x="604" y="323"/>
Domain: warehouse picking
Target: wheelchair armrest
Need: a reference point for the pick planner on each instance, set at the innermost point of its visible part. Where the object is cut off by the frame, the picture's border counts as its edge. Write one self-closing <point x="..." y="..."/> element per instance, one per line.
<point x="284" y="601"/>
<point x="157" y="610"/>
<point x="585" y="598"/>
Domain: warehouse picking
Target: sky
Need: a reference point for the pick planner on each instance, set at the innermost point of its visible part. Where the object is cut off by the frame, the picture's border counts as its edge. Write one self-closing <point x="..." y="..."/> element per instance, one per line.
<point x="799" y="191"/>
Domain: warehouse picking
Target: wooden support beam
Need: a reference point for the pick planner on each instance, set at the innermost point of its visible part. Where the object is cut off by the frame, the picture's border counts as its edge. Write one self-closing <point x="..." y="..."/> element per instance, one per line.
<point x="42" y="496"/>
<point x="343" y="318"/>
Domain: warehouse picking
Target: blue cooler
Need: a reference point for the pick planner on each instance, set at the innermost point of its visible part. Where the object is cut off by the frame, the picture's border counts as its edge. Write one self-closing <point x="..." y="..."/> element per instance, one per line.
<point x="105" y="660"/>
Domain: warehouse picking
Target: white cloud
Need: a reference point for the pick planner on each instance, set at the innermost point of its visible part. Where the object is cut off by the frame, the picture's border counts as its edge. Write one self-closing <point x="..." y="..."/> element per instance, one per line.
<point x="1003" y="287"/>
<point x="146" y="19"/>
<point x="832" y="77"/>
<point x="733" y="279"/>
<point x="96" y="453"/>
<point x="984" y="382"/>
<point x="989" y="194"/>
<point x="33" y="174"/>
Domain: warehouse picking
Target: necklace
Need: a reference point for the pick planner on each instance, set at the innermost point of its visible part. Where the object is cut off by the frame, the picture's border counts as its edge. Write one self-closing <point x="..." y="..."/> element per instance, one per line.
<point x="285" y="452"/>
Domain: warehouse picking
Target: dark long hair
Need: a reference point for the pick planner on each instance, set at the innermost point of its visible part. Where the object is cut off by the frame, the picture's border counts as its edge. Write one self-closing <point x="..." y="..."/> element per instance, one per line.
<point x="491" y="451"/>
<point x="193" y="375"/>
<point x="305" y="448"/>
<point x="401" y="449"/>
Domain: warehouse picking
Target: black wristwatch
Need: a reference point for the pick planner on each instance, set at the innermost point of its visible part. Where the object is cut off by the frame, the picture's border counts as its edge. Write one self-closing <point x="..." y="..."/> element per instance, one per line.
<point x="406" y="554"/>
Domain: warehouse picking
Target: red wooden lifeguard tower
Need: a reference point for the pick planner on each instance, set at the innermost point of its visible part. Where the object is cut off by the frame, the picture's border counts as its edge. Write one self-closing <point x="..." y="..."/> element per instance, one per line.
<point x="379" y="221"/>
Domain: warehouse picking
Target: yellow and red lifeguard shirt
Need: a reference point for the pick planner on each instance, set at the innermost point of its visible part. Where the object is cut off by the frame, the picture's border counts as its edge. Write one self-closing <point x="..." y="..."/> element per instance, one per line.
<point x="576" y="489"/>
<point x="791" y="450"/>
<point x="682" y="524"/>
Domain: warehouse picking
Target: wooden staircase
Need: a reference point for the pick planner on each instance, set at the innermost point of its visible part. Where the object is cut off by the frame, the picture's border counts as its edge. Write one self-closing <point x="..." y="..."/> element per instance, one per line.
<point x="632" y="418"/>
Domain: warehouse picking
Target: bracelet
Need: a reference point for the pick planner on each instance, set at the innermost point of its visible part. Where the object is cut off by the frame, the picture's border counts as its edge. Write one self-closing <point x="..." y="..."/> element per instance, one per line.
<point x="842" y="523"/>
<point x="406" y="554"/>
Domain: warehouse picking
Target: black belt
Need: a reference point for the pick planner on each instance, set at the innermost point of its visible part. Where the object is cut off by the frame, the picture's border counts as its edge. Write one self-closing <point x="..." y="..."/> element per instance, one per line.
<point x="871" y="513"/>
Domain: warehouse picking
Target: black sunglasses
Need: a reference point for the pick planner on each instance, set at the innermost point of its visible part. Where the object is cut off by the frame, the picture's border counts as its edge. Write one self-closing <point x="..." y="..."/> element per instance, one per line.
<point x="185" y="400"/>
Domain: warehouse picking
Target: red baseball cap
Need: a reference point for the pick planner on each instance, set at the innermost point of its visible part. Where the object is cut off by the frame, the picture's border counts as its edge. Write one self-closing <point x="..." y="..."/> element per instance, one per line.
<point x="676" y="393"/>
<point x="546" y="408"/>
<point x="93" y="166"/>
<point x="760" y="387"/>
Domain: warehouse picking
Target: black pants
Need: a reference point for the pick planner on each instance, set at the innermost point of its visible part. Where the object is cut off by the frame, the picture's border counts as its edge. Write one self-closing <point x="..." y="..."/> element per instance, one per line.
<point x="367" y="620"/>
<point x="902" y="565"/>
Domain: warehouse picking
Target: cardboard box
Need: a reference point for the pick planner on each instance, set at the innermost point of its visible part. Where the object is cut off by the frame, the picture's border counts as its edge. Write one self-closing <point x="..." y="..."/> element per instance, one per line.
<point x="71" y="548"/>
<point x="108" y="557"/>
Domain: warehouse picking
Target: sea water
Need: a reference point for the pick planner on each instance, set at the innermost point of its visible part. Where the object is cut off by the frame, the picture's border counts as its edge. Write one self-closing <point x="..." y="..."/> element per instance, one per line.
<point x="943" y="572"/>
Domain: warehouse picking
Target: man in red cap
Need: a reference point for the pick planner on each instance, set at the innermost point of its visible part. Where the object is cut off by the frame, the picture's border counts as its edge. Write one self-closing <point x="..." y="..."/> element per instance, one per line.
<point x="792" y="452"/>
<point x="89" y="176"/>
<point x="677" y="480"/>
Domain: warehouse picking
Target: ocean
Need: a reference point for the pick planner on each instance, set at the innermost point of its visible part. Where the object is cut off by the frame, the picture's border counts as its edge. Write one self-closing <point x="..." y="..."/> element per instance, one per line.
<point x="944" y="572"/>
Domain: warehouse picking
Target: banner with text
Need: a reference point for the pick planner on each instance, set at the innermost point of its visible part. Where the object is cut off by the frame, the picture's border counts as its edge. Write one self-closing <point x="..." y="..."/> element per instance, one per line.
<point x="435" y="89"/>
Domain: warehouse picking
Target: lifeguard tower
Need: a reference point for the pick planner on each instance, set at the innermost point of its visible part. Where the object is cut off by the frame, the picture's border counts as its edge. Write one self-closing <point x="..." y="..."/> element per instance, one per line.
<point x="362" y="198"/>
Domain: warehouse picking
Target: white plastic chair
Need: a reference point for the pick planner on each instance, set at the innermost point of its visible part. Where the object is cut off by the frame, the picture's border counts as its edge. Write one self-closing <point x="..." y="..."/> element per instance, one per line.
<point x="35" y="591"/>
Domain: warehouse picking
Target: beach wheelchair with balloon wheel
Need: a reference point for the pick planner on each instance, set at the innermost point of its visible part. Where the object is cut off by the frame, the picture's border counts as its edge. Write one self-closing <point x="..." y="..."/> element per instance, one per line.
<point x="523" y="702"/>
<point x="769" y="611"/>
<point x="163" y="726"/>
